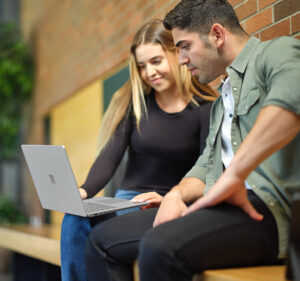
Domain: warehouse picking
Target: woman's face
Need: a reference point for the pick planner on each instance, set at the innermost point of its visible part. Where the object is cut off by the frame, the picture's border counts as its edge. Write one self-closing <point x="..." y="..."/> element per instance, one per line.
<point x="154" y="67"/>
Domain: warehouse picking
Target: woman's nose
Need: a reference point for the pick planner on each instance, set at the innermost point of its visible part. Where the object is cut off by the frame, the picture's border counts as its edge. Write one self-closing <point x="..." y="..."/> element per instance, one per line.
<point x="150" y="70"/>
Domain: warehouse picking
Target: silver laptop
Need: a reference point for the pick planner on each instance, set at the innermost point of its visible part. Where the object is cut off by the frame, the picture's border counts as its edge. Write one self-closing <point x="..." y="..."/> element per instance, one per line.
<point x="56" y="186"/>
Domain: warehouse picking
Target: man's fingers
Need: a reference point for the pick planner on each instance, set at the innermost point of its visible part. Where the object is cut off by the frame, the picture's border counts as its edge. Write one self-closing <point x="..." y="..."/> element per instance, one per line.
<point x="199" y="204"/>
<point x="202" y="203"/>
<point x="250" y="210"/>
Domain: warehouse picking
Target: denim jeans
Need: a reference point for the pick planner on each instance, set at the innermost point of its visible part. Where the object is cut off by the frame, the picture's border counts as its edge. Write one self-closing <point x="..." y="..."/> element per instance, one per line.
<point x="74" y="233"/>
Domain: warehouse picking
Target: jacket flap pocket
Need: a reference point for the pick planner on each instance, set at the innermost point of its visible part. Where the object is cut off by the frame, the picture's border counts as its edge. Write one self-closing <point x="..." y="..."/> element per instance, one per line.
<point x="248" y="102"/>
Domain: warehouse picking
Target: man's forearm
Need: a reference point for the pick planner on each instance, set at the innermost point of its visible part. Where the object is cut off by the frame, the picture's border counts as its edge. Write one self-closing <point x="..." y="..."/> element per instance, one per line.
<point x="274" y="128"/>
<point x="174" y="202"/>
<point x="189" y="189"/>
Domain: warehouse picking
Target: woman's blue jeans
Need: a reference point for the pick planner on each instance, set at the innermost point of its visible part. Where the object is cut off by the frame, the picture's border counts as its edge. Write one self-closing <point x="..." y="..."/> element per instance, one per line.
<point x="74" y="233"/>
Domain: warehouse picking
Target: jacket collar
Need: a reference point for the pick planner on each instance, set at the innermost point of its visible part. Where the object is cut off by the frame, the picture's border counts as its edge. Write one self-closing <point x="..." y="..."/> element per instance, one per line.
<point x="241" y="61"/>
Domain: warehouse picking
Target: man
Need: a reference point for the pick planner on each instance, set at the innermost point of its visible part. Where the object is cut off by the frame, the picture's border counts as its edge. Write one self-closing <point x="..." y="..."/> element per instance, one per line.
<point x="241" y="207"/>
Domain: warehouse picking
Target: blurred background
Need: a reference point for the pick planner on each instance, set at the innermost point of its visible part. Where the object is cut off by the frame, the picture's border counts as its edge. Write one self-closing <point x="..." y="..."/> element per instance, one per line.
<point x="60" y="63"/>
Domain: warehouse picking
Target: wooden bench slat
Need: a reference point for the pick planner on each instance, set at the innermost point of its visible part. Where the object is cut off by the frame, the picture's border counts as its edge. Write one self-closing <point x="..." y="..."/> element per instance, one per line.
<point x="259" y="273"/>
<point x="41" y="242"/>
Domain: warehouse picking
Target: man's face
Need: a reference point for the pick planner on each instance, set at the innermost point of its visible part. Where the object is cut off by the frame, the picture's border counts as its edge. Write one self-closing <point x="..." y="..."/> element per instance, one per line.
<point x="199" y="54"/>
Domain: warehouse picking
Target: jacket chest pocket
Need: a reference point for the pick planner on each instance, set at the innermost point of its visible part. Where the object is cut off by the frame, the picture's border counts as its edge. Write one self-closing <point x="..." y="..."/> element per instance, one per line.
<point x="249" y="108"/>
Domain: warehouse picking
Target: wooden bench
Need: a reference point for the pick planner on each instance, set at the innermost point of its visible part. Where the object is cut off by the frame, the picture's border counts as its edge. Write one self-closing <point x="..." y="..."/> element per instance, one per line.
<point x="257" y="273"/>
<point x="42" y="243"/>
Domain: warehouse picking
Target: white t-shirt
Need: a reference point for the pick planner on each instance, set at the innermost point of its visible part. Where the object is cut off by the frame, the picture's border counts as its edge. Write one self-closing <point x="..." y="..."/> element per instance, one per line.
<point x="228" y="102"/>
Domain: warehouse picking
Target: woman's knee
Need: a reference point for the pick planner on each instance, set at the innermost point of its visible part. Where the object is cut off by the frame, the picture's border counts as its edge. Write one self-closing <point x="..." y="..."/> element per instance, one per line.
<point x="74" y="226"/>
<point x="154" y="247"/>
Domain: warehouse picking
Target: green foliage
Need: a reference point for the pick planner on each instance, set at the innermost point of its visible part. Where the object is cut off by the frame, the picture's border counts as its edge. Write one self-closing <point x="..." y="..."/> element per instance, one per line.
<point x="16" y="83"/>
<point x="9" y="213"/>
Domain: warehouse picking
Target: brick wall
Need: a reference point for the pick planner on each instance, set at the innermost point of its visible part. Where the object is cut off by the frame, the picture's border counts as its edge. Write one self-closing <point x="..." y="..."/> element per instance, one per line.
<point x="267" y="19"/>
<point x="77" y="42"/>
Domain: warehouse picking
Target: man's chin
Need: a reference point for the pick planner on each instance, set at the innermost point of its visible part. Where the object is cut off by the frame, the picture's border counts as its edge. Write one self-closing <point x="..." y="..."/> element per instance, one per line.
<point x="202" y="80"/>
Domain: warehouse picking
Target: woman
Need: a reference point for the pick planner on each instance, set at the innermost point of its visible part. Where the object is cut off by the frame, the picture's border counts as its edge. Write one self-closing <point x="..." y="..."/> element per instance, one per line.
<point x="162" y="117"/>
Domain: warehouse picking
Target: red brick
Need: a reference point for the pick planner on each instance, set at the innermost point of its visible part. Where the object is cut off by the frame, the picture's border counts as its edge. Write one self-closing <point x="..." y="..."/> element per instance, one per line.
<point x="135" y="21"/>
<point x="285" y="8"/>
<point x="264" y="3"/>
<point x="149" y="10"/>
<point x="279" y="29"/>
<point x="246" y="9"/>
<point x="235" y="2"/>
<point x="296" y="24"/>
<point x="298" y="37"/>
<point x="259" y="21"/>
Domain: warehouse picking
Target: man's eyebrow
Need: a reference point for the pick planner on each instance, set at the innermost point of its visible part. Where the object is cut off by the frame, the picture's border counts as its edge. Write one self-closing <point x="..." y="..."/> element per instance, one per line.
<point x="179" y="43"/>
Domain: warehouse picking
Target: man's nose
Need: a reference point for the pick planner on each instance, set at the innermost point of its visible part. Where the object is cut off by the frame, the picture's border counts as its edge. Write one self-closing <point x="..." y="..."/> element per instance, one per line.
<point x="182" y="58"/>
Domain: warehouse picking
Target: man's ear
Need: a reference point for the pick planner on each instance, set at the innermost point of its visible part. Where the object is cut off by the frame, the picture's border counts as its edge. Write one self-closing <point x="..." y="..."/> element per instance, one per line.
<point x="217" y="35"/>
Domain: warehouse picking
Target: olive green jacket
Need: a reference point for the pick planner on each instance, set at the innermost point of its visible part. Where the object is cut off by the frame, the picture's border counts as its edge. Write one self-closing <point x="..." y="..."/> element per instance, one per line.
<point x="264" y="73"/>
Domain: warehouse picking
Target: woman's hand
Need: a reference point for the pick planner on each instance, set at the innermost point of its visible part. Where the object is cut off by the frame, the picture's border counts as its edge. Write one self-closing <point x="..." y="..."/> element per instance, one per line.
<point x="83" y="193"/>
<point x="153" y="198"/>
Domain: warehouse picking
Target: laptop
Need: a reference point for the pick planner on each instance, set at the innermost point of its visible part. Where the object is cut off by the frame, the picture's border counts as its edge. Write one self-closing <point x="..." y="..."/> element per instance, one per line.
<point x="56" y="186"/>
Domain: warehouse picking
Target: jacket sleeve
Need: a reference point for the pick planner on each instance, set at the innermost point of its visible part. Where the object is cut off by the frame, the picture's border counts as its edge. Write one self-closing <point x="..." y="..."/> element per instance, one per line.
<point x="200" y="168"/>
<point x="280" y="73"/>
<point x="108" y="160"/>
<point x="204" y="130"/>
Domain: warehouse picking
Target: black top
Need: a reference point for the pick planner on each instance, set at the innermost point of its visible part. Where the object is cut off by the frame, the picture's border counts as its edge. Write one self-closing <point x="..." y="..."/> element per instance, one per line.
<point x="164" y="150"/>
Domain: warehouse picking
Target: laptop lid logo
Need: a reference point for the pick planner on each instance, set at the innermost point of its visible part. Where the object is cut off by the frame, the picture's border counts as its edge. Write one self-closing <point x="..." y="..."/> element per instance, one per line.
<point x="52" y="179"/>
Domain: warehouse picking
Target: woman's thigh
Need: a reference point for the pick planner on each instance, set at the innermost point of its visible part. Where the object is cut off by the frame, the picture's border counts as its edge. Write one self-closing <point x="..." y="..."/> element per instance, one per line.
<point x="120" y="236"/>
<point x="127" y="194"/>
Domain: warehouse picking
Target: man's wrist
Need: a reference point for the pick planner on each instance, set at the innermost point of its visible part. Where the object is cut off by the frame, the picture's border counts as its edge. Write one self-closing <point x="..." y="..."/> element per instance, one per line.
<point x="174" y="194"/>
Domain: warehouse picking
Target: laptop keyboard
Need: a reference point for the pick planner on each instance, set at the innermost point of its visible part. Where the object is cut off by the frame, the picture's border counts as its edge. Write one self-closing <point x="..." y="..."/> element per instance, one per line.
<point x="93" y="207"/>
<point x="108" y="200"/>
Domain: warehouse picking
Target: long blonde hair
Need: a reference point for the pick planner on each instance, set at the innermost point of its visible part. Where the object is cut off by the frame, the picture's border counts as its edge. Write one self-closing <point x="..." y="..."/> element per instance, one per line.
<point x="131" y="96"/>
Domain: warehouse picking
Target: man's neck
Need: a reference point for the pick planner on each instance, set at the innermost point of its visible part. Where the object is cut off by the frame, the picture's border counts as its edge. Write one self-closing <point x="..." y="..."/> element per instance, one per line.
<point x="234" y="46"/>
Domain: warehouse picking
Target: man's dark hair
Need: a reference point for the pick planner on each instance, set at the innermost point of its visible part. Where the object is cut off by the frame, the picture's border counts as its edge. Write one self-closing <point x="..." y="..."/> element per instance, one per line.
<point x="199" y="16"/>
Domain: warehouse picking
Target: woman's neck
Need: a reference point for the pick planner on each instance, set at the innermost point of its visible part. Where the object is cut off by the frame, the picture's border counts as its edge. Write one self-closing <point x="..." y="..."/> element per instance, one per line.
<point x="170" y="101"/>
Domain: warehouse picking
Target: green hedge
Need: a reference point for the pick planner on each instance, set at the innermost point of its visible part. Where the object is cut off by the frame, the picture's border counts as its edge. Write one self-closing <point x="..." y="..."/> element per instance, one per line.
<point x="16" y="84"/>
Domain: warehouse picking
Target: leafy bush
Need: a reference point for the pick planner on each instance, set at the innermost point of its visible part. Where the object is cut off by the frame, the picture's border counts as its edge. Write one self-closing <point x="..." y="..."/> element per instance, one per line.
<point x="9" y="213"/>
<point x="16" y="83"/>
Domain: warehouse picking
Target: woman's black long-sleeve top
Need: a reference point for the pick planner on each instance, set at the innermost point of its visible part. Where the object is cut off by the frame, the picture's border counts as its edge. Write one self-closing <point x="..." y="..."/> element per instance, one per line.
<point x="164" y="150"/>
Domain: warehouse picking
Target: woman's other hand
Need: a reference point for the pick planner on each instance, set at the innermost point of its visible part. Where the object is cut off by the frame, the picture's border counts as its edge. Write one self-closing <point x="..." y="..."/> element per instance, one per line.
<point x="83" y="193"/>
<point x="153" y="198"/>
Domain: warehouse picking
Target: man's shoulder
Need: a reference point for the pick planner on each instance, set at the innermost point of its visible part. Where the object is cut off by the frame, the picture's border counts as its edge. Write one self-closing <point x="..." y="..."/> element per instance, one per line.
<point x="276" y="52"/>
<point x="283" y="45"/>
<point x="278" y="43"/>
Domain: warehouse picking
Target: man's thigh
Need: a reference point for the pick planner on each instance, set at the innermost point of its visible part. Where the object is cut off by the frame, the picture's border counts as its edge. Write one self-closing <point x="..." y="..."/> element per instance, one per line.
<point x="218" y="237"/>
<point x="119" y="237"/>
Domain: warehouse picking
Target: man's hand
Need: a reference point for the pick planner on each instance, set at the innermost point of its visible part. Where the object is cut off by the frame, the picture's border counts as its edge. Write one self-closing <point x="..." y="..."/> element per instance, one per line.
<point x="263" y="140"/>
<point x="171" y="208"/>
<point x="153" y="198"/>
<point x="83" y="193"/>
<point x="229" y="188"/>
